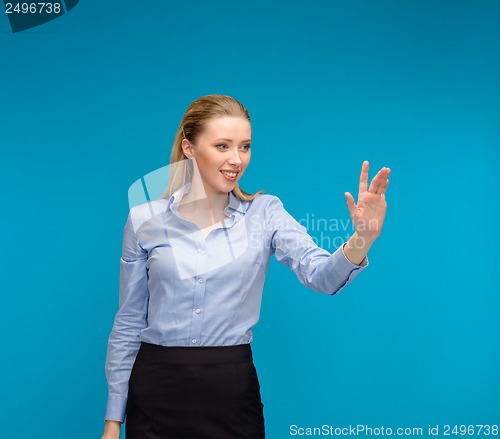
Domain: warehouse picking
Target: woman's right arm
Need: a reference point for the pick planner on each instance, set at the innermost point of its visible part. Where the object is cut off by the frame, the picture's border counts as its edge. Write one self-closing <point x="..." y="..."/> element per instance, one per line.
<point x="124" y="339"/>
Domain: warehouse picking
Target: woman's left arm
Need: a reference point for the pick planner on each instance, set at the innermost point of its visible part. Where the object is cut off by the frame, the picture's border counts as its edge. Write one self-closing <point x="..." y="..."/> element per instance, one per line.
<point x="368" y="215"/>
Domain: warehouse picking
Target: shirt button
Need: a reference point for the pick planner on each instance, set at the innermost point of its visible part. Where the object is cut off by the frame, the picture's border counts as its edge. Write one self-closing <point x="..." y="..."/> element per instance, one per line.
<point x="193" y="340"/>
<point x="200" y="280"/>
<point x="198" y="310"/>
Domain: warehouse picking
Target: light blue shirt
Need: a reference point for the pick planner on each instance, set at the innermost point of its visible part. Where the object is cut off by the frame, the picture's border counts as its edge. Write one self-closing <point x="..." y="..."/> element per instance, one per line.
<point x="178" y="288"/>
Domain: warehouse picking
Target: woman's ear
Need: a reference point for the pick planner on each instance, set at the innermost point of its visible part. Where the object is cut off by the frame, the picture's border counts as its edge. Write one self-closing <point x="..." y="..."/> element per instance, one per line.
<point x="187" y="148"/>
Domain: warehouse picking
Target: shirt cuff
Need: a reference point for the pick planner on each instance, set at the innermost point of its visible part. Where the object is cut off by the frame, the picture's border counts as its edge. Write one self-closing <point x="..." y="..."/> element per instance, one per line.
<point x="363" y="263"/>
<point x="115" y="409"/>
<point x="345" y="269"/>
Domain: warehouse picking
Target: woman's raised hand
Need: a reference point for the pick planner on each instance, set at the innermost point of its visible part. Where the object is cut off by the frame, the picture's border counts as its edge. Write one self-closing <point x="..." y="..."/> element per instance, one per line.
<point x="368" y="215"/>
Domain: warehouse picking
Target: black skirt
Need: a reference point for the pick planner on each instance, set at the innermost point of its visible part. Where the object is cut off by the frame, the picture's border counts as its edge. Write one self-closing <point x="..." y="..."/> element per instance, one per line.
<point x="206" y="392"/>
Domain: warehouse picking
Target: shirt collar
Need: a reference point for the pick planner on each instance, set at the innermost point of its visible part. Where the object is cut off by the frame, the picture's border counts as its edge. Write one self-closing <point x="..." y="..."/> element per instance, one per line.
<point x="235" y="203"/>
<point x="176" y="197"/>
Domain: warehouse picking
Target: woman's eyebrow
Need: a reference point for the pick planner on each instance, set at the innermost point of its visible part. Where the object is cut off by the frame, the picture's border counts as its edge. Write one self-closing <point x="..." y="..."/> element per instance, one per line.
<point x="229" y="140"/>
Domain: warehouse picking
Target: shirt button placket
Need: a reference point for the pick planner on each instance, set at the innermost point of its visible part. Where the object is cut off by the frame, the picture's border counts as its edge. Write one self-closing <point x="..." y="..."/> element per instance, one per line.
<point x="199" y="295"/>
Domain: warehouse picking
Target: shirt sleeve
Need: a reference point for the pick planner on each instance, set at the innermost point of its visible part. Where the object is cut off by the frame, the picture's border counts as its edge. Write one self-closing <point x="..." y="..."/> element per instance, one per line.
<point x="315" y="267"/>
<point x="124" y="339"/>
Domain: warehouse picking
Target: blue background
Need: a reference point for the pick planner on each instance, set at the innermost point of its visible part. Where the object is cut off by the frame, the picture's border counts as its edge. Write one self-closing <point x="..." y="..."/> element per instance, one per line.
<point x="91" y="101"/>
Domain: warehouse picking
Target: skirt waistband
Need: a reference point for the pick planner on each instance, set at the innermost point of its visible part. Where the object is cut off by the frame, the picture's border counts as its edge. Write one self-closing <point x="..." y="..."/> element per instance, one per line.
<point x="198" y="354"/>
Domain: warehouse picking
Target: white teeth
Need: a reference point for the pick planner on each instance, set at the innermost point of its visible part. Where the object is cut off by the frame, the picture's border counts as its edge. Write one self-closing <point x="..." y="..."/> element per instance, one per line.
<point x="230" y="174"/>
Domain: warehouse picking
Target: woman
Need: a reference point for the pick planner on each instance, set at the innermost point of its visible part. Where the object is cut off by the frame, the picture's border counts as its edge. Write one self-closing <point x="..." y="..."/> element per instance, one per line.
<point x="179" y="362"/>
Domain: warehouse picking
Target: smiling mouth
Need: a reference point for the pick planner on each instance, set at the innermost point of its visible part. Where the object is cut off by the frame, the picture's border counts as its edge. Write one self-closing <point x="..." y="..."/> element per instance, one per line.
<point x="230" y="175"/>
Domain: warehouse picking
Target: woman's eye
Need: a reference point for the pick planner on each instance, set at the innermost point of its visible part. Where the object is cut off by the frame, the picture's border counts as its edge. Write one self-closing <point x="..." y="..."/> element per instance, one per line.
<point x="223" y="147"/>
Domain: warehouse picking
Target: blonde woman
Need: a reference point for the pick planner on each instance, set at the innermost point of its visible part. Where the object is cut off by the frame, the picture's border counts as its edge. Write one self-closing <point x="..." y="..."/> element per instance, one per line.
<point x="179" y="361"/>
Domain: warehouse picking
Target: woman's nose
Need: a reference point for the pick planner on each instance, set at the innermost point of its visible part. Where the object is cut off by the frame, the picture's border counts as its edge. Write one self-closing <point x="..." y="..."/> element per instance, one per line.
<point x="235" y="159"/>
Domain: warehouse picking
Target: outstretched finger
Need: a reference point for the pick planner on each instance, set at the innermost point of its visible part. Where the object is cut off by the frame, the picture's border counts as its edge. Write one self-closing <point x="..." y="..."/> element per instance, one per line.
<point x="378" y="181"/>
<point x="384" y="182"/>
<point x="384" y="189"/>
<point x="363" y="178"/>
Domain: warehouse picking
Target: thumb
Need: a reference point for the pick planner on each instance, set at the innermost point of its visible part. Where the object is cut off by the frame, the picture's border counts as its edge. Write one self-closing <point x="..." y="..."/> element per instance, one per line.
<point x="350" y="201"/>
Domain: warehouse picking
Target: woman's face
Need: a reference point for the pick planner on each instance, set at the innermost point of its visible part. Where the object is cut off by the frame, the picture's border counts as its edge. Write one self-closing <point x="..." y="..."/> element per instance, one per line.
<point x="221" y="153"/>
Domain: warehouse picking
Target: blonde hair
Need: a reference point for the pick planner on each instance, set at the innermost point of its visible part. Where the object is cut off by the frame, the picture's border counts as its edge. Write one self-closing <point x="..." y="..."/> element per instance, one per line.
<point x="198" y="114"/>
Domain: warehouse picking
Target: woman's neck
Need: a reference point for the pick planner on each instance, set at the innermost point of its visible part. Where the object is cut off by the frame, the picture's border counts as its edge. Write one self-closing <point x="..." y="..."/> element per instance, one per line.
<point x="204" y="205"/>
